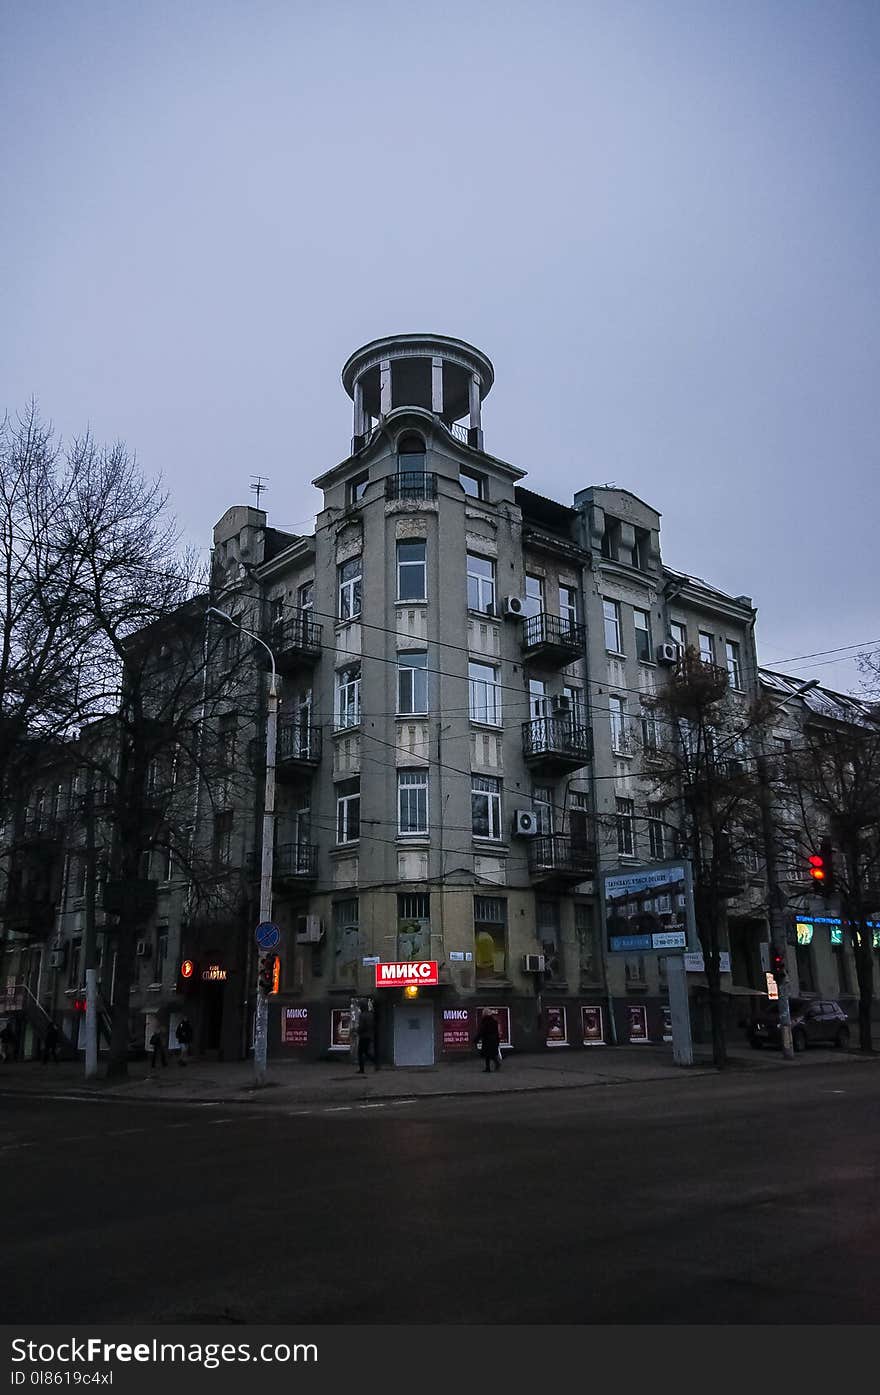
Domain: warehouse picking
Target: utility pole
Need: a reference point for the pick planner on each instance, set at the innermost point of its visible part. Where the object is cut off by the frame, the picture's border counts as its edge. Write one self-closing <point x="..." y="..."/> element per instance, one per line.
<point x="90" y="948"/>
<point x="261" y="1006"/>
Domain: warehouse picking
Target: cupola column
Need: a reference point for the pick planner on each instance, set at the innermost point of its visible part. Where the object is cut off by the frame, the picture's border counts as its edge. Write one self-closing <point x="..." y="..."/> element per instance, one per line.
<point x="475" y="430"/>
<point x="437" y="386"/>
<point x="385" y="386"/>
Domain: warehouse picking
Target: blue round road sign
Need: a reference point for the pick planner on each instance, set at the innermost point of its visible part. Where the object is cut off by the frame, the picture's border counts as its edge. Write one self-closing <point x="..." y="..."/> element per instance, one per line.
<point x="267" y="935"/>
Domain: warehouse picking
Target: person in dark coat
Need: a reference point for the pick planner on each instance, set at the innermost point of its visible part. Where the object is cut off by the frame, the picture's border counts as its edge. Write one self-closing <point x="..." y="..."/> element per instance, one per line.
<point x="184" y="1035"/>
<point x="489" y="1039"/>
<point x="367" y="1038"/>
<point x="50" y="1043"/>
<point x="8" y="1040"/>
<point x="158" y="1046"/>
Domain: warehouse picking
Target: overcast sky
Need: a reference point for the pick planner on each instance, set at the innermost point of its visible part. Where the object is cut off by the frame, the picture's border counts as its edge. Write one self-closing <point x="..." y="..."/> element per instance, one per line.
<point x="659" y="219"/>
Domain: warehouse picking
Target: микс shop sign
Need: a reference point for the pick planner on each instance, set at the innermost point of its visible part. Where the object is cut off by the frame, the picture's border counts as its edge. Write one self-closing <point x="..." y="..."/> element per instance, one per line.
<point x="422" y="972"/>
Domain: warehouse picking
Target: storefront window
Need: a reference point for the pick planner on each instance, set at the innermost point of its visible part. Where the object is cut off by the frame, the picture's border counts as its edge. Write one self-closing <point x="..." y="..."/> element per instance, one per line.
<point x="490" y="936"/>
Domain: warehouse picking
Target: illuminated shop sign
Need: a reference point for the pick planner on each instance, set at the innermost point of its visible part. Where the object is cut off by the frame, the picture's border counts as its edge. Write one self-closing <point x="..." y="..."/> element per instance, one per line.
<point x="215" y="973"/>
<point x="421" y="972"/>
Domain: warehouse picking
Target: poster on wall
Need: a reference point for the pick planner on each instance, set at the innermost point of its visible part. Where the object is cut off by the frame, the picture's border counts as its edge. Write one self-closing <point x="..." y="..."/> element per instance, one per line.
<point x="295" y="1026"/>
<point x="667" y="1024"/>
<point x="556" y="1025"/>
<point x="503" y="1015"/>
<point x="637" y="1021"/>
<point x="340" y="1029"/>
<point x="457" y="1033"/>
<point x="592" y="1026"/>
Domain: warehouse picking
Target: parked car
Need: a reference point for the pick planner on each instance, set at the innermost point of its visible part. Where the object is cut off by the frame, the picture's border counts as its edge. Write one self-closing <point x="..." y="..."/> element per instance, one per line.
<point x="814" y="1022"/>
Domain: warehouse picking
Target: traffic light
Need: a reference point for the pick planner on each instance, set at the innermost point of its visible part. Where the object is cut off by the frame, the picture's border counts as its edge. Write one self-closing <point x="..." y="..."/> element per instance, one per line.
<point x="822" y="868"/>
<point x="270" y="970"/>
<point x="777" y="965"/>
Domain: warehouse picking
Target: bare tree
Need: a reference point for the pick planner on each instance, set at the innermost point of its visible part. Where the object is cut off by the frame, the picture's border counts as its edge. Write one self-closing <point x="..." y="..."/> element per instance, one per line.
<point x="830" y="789"/>
<point x="704" y="777"/>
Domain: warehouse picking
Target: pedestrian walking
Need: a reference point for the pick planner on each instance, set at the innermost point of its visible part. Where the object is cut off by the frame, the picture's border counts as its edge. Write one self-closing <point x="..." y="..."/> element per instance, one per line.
<point x="488" y="1038"/>
<point x="158" y="1046"/>
<point x="7" y="1043"/>
<point x="367" y="1038"/>
<point x="50" y="1043"/>
<point x="184" y="1035"/>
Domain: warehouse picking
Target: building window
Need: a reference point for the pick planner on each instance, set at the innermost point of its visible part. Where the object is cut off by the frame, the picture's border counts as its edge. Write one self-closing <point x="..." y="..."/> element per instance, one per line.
<point x="642" y="549"/>
<point x="350" y="578"/>
<point x="473" y="484"/>
<point x="411" y="570"/>
<point x="348" y="811"/>
<point x="305" y="596"/>
<point x="357" y="488"/>
<point x="549" y="935"/>
<point x="657" y="832"/>
<point x="490" y="922"/>
<point x="480" y="583"/>
<point x="75" y="969"/>
<point x="348" y="696"/>
<point x="678" y="634"/>
<point x="650" y="740"/>
<point x="346" y="933"/>
<point x="734" y="667"/>
<point x="485" y="806"/>
<point x="223" y="838"/>
<point x="579" y="821"/>
<point x="411" y="455"/>
<point x="534" y="597"/>
<point x="485" y="694"/>
<point x="161" y="956"/>
<point x="642" y="621"/>
<point x="575" y="705"/>
<point x="412" y="802"/>
<point x="412" y="682"/>
<point x="542" y="804"/>
<point x="617" y="709"/>
<point x="588" y="950"/>
<point x="568" y="610"/>
<point x="707" y="647"/>
<point x="414" y="926"/>
<point x="626" y="842"/>
<point x="537" y="698"/>
<point x="611" y="613"/>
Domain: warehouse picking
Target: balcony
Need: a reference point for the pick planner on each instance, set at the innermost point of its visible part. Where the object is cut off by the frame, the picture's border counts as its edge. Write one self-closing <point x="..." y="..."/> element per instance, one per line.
<point x="295" y="862"/>
<point x="555" y="858"/>
<point x="24" y="914"/>
<point x="295" y="641"/>
<point x="732" y="880"/>
<point x="299" y="749"/>
<point x="40" y="833"/>
<point x="411" y="484"/>
<point x="552" y="639"/>
<point x="556" y="743"/>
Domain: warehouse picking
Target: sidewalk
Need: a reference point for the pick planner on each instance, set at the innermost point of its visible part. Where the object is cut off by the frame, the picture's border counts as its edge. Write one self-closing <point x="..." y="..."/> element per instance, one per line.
<point x="292" y="1083"/>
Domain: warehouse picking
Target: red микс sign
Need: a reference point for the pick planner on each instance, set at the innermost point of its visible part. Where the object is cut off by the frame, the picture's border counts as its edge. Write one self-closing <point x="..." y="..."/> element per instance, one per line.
<point x="420" y="971"/>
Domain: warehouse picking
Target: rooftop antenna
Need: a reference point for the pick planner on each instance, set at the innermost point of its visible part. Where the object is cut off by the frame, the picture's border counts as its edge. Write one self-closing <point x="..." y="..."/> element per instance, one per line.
<point x="259" y="484"/>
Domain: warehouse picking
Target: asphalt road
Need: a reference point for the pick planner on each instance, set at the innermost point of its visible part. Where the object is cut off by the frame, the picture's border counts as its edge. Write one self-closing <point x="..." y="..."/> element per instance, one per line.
<point x="706" y="1200"/>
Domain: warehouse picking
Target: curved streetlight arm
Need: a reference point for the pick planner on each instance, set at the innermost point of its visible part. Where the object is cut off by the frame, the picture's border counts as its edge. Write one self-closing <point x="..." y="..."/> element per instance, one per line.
<point x="228" y="620"/>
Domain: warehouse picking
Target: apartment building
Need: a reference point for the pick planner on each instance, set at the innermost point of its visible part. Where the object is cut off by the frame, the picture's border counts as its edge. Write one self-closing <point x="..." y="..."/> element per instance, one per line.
<point x="468" y="678"/>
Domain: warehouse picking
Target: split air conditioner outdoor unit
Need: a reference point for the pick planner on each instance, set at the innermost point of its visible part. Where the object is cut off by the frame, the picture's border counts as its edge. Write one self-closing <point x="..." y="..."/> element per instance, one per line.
<point x="57" y="958"/>
<point x="666" y="653"/>
<point x="143" y="949"/>
<point x="533" y="963"/>
<point x="514" y="605"/>
<point x="560" y="703"/>
<point x="308" y="930"/>
<point x="525" y="823"/>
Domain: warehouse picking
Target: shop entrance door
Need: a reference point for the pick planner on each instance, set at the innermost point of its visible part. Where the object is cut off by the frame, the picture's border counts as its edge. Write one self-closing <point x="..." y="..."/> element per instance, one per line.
<point x="413" y="1034"/>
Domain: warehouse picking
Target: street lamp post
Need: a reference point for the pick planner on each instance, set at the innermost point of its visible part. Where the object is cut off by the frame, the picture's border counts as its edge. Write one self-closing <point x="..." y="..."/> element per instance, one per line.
<point x="261" y="1009"/>
<point x="775" y="892"/>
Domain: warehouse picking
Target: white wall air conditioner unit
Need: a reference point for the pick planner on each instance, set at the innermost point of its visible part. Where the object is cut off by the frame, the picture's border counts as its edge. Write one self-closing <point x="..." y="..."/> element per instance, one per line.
<point x="533" y="963"/>
<point x="57" y="958"/>
<point x="515" y="606"/>
<point x="143" y="949"/>
<point x="525" y="823"/>
<point x="560" y="703"/>
<point x="666" y="653"/>
<point x="309" y="930"/>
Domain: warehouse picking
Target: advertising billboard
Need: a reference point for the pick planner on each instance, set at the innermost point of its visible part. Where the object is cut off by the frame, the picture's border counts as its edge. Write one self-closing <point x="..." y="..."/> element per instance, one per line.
<point x="649" y="909"/>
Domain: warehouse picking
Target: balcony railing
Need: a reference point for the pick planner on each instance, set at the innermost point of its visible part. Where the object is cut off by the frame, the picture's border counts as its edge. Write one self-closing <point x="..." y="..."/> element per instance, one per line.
<point x="296" y="861"/>
<point x="411" y="484"/>
<point x="298" y="744"/>
<point x="553" y="637"/>
<point x="559" y="741"/>
<point x="38" y="830"/>
<point x="295" y="639"/>
<point x="555" y="856"/>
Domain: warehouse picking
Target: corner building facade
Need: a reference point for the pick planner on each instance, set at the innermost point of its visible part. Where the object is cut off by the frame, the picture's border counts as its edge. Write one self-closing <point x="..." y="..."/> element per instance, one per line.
<point x="448" y="673"/>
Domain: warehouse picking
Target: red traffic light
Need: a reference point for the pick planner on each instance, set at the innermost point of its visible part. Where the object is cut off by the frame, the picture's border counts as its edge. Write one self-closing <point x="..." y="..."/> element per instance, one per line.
<point x="817" y="867"/>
